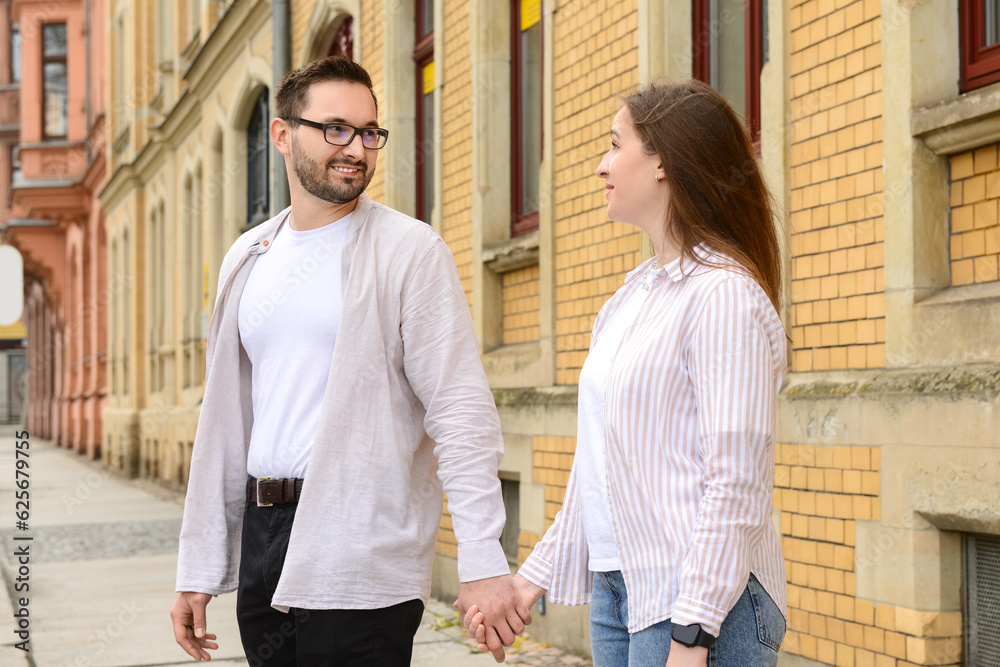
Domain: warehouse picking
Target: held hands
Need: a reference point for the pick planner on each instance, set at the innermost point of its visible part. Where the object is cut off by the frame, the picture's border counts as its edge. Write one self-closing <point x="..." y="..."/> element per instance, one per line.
<point x="500" y="605"/>
<point x="474" y="619"/>
<point x="188" y="616"/>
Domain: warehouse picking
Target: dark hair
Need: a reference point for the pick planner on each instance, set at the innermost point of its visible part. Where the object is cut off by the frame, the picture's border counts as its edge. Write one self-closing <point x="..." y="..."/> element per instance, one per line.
<point x="717" y="194"/>
<point x="293" y="88"/>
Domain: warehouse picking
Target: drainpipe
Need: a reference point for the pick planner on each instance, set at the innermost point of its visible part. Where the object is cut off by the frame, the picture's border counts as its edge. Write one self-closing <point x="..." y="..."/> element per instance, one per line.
<point x="281" y="57"/>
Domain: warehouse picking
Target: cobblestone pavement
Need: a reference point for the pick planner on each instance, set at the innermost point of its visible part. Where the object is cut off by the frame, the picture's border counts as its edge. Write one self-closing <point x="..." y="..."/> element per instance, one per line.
<point x="525" y="650"/>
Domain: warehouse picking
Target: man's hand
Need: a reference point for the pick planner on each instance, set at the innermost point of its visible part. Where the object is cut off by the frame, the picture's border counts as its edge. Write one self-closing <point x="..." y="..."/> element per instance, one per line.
<point x="188" y="616"/>
<point x="687" y="656"/>
<point x="504" y="613"/>
<point x="473" y="619"/>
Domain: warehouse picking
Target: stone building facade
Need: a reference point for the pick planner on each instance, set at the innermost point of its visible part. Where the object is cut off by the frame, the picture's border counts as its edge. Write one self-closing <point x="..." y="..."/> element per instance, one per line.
<point x="877" y="127"/>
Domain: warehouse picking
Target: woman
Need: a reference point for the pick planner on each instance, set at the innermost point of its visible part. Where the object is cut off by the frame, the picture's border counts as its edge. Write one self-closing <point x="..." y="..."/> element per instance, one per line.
<point x="666" y="524"/>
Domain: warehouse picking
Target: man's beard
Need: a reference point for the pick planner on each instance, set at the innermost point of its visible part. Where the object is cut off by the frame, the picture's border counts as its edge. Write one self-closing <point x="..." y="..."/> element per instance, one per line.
<point x="315" y="179"/>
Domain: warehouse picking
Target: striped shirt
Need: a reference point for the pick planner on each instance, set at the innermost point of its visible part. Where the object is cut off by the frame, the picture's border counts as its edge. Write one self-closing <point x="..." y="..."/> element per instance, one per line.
<point x="689" y="417"/>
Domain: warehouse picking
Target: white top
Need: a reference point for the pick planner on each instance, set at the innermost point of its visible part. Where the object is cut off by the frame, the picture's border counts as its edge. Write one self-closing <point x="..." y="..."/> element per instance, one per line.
<point x="590" y="440"/>
<point x="288" y="316"/>
<point x="689" y="420"/>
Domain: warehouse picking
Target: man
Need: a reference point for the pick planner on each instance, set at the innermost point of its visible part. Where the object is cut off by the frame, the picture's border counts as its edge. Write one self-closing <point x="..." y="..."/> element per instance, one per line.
<point x="322" y="449"/>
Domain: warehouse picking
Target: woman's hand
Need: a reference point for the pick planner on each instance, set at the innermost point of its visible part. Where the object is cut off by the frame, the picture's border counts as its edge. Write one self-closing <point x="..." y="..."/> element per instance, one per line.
<point x="686" y="656"/>
<point x="473" y="619"/>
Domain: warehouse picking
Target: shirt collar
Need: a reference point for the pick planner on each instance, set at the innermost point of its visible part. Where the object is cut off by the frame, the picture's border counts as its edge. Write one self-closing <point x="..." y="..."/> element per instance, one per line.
<point x="676" y="270"/>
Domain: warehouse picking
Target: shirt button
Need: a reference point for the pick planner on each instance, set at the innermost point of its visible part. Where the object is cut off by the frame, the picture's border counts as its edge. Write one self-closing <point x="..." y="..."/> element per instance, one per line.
<point x="265" y="242"/>
<point x="619" y="546"/>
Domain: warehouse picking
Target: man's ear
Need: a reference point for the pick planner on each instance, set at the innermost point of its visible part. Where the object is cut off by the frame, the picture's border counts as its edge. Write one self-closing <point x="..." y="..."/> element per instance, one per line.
<point x="281" y="135"/>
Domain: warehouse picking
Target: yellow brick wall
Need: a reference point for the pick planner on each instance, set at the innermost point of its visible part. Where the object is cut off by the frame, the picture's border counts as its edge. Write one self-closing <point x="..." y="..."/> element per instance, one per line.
<point x="520" y="306"/>
<point x="447" y="543"/>
<point x="552" y="460"/>
<point x="595" y="55"/>
<point x="838" y="304"/>
<point x="821" y="492"/>
<point x="456" y="140"/>
<point x="975" y="232"/>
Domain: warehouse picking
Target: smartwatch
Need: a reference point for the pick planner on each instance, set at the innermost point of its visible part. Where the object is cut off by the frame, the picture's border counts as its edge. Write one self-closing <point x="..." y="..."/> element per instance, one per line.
<point x="691" y="635"/>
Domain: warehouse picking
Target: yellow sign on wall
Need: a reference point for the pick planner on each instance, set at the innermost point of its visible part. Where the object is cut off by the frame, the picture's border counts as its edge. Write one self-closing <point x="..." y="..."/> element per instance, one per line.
<point x="531" y="13"/>
<point x="429" y="78"/>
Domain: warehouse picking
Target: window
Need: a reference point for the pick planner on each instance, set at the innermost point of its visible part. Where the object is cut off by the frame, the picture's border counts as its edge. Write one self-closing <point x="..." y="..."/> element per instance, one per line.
<point x="126" y="296"/>
<point x="115" y="298"/>
<point x="15" y="53"/>
<point x="54" y="81"/>
<point x="729" y="46"/>
<point x="343" y="41"/>
<point x="526" y="113"/>
<point x="258" y="163"/>
<point x="982" y="590"/>
<point x="423" y="57"/>
<point x="121" y="108"/>
<point x="980" y="38"/>
<point x="510" y="489"/>
<point x="15" y="173"/>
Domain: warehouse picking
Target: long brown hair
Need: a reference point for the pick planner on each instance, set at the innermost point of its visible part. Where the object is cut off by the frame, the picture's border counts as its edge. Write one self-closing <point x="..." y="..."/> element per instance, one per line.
<point x="717" y="193"/>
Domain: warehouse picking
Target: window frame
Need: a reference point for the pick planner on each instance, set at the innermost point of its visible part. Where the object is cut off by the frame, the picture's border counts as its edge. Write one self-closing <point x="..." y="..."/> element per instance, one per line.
<point x="522" y="224"/>
<point x="253" y="217"/>
<point x="980" y="65"/>
<point x="55" y="60"/>
<point x="754" y="46"/>
<point x="423" y="55"/>
<point x="15" y="52"/>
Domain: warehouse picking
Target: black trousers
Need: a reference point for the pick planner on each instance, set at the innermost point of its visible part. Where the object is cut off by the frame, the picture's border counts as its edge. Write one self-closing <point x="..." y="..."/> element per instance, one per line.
<point x="310" y="637"/>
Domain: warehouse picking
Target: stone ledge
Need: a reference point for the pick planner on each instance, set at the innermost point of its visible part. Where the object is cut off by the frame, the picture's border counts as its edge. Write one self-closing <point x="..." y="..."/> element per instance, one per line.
<point x="940" y="383"/>
<point x="557" y="396"/>
<point x="961" y="123"/>
<point x="516" y="253"/>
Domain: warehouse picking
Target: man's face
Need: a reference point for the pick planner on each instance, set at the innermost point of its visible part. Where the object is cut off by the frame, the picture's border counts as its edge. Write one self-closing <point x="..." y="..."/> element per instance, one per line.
<point x="337" y="174"/>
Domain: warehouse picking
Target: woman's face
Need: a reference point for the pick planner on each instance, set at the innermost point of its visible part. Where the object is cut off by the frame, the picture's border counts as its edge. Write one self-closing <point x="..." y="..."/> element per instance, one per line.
<point x="636" y="190"/>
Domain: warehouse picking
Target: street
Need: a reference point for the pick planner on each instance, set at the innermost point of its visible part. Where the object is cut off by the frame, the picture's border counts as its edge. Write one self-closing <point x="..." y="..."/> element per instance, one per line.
<point x="90" y="581"/>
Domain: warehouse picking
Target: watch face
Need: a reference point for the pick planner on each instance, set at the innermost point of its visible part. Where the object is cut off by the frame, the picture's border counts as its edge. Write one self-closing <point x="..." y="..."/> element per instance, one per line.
<point x="686" y="634"/>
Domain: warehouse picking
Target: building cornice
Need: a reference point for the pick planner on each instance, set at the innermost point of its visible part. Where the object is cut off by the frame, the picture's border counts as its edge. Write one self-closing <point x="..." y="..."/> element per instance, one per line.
<point x="206" y="66"/>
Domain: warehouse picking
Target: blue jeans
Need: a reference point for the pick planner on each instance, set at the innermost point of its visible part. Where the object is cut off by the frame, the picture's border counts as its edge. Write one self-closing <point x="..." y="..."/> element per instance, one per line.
<point x="750" y="635"/>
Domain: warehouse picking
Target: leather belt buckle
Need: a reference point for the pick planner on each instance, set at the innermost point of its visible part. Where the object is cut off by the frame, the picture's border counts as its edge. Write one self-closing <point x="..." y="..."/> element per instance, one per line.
<point x="260" y="494"/>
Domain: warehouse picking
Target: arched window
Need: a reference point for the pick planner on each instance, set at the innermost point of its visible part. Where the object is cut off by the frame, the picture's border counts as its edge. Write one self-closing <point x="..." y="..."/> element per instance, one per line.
<point x="258" y="163"/>
<point x="115" y="300"/>
<point x="343" y="41"/>
<point x="126" y="296"/>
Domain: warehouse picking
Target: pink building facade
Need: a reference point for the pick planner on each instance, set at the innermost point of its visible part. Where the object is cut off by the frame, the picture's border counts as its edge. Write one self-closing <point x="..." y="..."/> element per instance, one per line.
<point x="51" y="213"/>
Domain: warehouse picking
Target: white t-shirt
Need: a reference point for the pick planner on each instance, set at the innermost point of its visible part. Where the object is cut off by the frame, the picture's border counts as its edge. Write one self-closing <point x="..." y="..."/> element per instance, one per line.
<point x="590" y="444"/>
<point x="289" y="314"/>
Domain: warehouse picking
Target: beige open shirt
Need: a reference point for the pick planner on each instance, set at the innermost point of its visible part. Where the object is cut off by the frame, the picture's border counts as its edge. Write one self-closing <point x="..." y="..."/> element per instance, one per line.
<point x="407" y="412"/>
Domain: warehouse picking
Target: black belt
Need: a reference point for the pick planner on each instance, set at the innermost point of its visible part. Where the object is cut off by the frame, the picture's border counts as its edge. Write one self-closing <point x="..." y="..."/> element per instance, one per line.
<point x="267" y="491"/>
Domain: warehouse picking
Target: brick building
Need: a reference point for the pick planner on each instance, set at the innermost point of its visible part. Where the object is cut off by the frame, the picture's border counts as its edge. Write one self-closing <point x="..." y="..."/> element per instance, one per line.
<point x="51" y="166"/>
<point x="877" y="126"/>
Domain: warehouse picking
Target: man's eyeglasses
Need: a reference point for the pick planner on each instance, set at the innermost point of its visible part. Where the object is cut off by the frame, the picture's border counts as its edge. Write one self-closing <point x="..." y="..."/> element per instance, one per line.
<point x="339" y="134"/>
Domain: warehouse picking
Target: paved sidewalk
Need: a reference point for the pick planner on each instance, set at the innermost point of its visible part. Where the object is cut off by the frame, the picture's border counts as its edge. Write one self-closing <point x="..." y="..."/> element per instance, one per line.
<point x="102" y="557"/>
